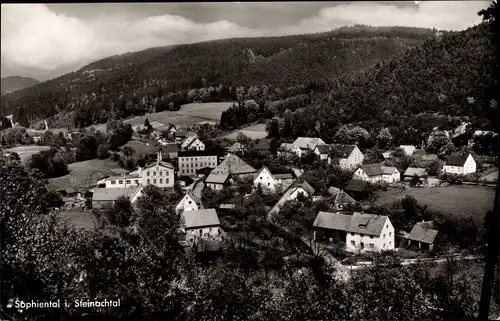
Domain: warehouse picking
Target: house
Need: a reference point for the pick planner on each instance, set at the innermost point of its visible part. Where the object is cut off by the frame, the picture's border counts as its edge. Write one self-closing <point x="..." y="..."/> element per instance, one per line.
<point x="411" y="172"/>
<point x="390" y="174"/>
<point x="107" y="196"/>
<point x="297" y="188"/>
<point x="201" y="224"/>
<point x="181" y="135"/>
<point x="236" y="148"/>
<point x="387" y="155"/>
<point x="230" y="169"/>
<point x="192" y="143"/>
<point x="346" y="156"/>
<point x="371" y="173"/>
<point x="156" y="134"/>
<point x="460" y="163"/>
<point x="191" y="161"/>
<point x="272" y="183"/>
<point x="358" y="189"/>
<point x="262" y="147"/>
<point x="37" y="139"/>
<point x="302" y="145"/>
<point x="422" y="235"/>
<point x="340" y="199"/>
<point x="360" y="231"/>
<point x="408" y="149"/>
<point x="285" y="149"/>
<point x="189" y="202"/>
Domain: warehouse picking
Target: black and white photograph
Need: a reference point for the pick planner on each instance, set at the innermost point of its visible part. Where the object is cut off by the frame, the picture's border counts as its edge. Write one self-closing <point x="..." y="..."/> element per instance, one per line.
<point x="250" y="161"/>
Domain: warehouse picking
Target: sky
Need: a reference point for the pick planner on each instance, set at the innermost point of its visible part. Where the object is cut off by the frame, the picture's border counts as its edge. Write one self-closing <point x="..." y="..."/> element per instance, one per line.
<point x="44" y="41"/>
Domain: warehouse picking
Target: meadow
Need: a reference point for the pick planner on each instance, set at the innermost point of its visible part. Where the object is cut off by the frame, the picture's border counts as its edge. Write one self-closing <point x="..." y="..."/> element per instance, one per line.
<point x="25" y="152"/>
<point x="85" y="174"/>
<point x="257" y="131"/>
<point x="460" y="201"/>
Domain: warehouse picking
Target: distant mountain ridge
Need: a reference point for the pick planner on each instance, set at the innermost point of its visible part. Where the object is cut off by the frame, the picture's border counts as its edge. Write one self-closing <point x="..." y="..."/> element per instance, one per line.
<point x="136" y="79"/>
<point x="15" y="83"/>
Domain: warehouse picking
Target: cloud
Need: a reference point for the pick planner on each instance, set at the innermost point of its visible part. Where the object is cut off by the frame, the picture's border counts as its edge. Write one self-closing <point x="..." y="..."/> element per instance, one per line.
<point x="35" y="39"/>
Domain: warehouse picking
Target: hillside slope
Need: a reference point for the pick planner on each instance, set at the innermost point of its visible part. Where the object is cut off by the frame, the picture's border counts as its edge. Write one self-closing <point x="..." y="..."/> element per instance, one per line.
<point x="14" y="83"/>
<point x="451" y="75"/>
<point x="138" y="78"/>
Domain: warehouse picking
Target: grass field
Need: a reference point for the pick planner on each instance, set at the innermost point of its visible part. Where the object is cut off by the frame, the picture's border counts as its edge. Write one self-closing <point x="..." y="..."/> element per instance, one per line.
<point x="211" y="111"/>
<point x="87" y="173"/>
<point x="257" y="131"/>
<point x="25" y="152"/>
<point x="85" y="220"/>
<point x="463" y="201"/>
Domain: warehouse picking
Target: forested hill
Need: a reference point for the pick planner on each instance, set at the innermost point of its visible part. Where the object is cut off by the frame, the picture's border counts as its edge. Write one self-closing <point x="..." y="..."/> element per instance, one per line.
<point x="11" y="84"/>
<point x="450" y="75"/>
<point x="133" y="81"/>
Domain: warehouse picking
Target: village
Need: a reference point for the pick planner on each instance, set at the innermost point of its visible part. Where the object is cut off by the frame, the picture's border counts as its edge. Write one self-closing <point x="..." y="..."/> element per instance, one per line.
<point x="182" y="160"/>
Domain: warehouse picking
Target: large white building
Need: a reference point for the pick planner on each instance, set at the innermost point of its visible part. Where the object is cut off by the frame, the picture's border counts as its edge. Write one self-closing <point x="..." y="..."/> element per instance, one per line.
<point x="359" y="231"/>
<point x="160" y="174"/>
<point x="377" y="173"/>
<point x="460" y="163"/>
<point x="190" y="161"/>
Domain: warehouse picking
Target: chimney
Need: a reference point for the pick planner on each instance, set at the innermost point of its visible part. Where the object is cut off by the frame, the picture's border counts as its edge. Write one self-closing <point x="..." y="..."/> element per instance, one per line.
<point x="159" y="156"/>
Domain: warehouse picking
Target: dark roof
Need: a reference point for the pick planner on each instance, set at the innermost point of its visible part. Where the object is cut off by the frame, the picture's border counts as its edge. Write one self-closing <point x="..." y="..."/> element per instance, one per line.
<point x="204" y="170"/>
<point x="361" y="223"/>
<point x="343" y="151"/>
<point x="170" y="148"/>
<point x="323" y="149"/>
<point x="372" y="169"/>
<point x="181" y="133"/>
<point x="283" y="176"/>
<point x="191" y="153"/>
<point x="421" y="233"/>
<point x="457" y="159"/>
<point x="233" y="165"/>
<point x="261" y="145"/>
<point x="342" y="197"/>
<point x="356" y="185"/>
<point x="412" y="171"/>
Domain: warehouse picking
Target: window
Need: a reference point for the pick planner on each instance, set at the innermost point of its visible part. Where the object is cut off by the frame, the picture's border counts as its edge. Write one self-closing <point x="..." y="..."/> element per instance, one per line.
<point x="127" y="181"/>
<point x="137" y="181"/>
<point x="154" y="173"/>
<point x="390" y="243"/>
<point x="371" y="236"/>
<point x="161" y="180"/>
<point x="268" y="184"/>
<point x="113" y="182"/>
<point x="387" y="226"/>
<point x="160" y="173"/>
<point x="384" y="236"/>
<point x="353" y="243"/>
<point x="390" y="233"/>
<point x="371" y="245"/>
<point x="384" y="245"/>
<point x="352" y="234"/>
<point x="147" y="173"/>
<point x="190" y="202"/>
<point x="166" y="181"/>
<point x="261" y="177"/>
<point x="148" y="180"/>
<point x="120" y="182"/>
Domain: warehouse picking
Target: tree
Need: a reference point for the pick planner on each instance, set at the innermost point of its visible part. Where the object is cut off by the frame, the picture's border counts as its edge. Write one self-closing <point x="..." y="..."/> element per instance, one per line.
<point x="103" y="151"/>
<point x="243" y="139"/>
<point x="128" y="152"/>
<point x="384" y="137"/>
<point x="121" y="213"/>
<point x="273" y="128"/>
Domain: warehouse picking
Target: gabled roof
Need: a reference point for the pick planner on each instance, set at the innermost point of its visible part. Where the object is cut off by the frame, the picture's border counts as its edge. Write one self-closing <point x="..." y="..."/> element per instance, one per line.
<point x="343" y="151"/>
<point x="217" y="178"/>
<point x="408" y="149"/>
<point x="342" y="197"/>
<point x="200" y="218"/>
<point x="112" y="194"/>
<point x="356" y="185"/>
<point x="283" y="176"/>
<point x="333" y="190"/>
<point x="323" y="149"/>
<point x="160" y="163"/>
<point x="236" y="147"/>
<point x="372" y="169"/>
<point x="457" y="159"/>
<point x="181" y="133"/>
<point x="195" y="199"/>
<point x="289" y="191"/>
<point x="412" y="171"/>
<point x="307" y="142"/>
<point x="302" y="183"/>
<point x="388" y="170"/>
<point x="429" y="157"/>
<point x="233" y="165"/>
<point x="263" y="168"/>
<point x="421" y="233"/>
<point x="361" y="223"/>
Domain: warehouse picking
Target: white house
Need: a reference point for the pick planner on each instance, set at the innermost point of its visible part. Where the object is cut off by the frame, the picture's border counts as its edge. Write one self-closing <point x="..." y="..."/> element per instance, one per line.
<point x="189" y="203"/>
<point x="296" y="189"/>
<point x="359" y="231"/>
<point x="285" y="149"/>
<point x="201" y="224"/>
<point x="160" y="174"/>
<point x="272" y="183"/>
<point x="460" y="163"/>
<point x="370" y="173"/>
<point x="304" y="144"/>
<point x="348" y="157"/>
<point x="192" y="143"/>
<point x="408" y="149"/>
<point x="390" y="174"/>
